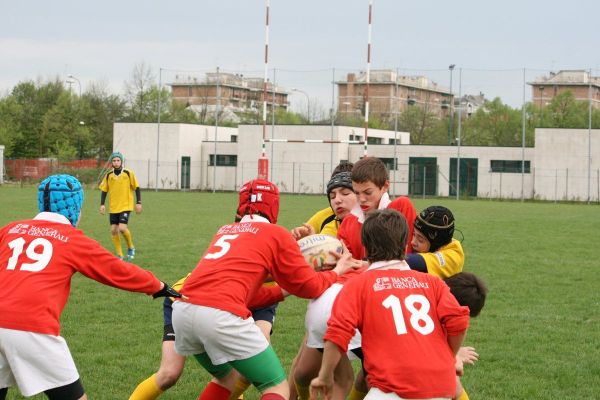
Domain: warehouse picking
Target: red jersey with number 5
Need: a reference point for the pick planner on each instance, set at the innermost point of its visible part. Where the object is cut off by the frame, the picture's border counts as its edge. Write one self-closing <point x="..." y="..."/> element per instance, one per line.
<point x="38" y="257"/>
<point x="404" y="318"/>
<point x="241" y="255"/>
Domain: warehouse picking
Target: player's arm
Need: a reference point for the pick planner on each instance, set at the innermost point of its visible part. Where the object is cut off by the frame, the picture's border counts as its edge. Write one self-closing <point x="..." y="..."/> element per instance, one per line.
<point x="341" y="327"/>
<point x="298" y="278"/>
<point x="97" y="263"/>
<point x="456" y="341"/>
<point x="302" y="231"/>
<point x="323" y="383"/>
<point x="445" y="262"/>
<point x="417" y="262"/>
<point x="102" y="201"/>
<point x="103" y="191"/>
<point x="138" y="200"/>
<point x="266" y="296"/>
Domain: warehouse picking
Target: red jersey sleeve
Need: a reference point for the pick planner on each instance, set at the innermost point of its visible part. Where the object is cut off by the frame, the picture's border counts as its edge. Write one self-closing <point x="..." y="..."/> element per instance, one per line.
<point x="349" y="233"/>
<point x="293" y="273"/>
<point x="403" y="205"/>
<point x="266" y="296"/>
<point x="97" y="263"/>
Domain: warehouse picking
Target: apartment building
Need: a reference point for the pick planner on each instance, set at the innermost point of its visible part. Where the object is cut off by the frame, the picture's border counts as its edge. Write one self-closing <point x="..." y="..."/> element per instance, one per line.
<point x="579" y="82"/>
<point x="233" y="92"/>
<point x="390" y="93"/>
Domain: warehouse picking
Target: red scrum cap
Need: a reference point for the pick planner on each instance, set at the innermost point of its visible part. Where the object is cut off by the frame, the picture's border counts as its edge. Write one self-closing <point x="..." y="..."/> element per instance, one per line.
<point x="259" y="196"/>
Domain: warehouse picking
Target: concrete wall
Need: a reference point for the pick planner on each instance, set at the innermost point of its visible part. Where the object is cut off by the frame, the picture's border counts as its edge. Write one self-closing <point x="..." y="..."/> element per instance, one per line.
<point x="558" y="162"/>
<point x="563" y="167"/>
<point x="303" y="167"/>
<point x="139" y="143"/>
<point x="498" y="185"/>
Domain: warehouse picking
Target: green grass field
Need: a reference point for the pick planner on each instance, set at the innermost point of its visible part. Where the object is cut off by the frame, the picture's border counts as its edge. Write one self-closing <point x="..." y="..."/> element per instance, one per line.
<point x="538" y="335"/>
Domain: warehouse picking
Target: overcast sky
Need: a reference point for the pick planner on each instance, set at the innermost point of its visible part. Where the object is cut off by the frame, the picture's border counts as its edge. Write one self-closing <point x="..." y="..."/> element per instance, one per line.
<point x="491" y="41"/>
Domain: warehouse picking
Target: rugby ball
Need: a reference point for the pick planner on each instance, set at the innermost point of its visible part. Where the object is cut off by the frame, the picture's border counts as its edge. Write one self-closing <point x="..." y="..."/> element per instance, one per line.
<point x="316" y="248"/>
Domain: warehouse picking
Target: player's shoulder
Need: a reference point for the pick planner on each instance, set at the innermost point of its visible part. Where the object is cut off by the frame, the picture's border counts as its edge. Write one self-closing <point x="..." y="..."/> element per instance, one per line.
<point x="324" y="213"/>
<point x="405" y="206"/>
<point x="401" y="202"/>
<point x="350" y="219"/>
<point x="453" y="245"/>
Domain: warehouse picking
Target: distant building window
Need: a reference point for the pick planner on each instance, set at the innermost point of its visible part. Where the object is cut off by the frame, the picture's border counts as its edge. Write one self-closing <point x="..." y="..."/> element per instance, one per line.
<point x="374" y="140"/>
<point x="395" y="141"/>
<point x="389" y="163"/>
<point x="511" y="166"/>
<point x="223" y="160"/>
<point x="234" y="138"/>
<point x="355" y="137"/>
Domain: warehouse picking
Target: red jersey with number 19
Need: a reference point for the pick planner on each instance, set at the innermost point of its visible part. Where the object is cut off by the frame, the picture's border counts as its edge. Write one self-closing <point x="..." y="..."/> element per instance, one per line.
<point x="38" y="257"/>
<point x="231" y="272"/>
<point x="404" y="318"/>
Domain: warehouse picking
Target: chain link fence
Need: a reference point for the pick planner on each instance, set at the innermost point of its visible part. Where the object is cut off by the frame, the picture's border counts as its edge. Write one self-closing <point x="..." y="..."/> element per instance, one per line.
<point x="312" y="177"/>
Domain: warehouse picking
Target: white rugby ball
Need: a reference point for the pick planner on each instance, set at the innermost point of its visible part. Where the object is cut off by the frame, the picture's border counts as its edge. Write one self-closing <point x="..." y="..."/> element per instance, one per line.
<point x="316" y="248"/>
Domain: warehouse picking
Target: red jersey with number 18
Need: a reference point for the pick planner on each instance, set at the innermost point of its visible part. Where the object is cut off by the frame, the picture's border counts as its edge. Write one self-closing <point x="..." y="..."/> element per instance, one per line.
<point x="404" y="318"/>
<point x="38" y="257"/>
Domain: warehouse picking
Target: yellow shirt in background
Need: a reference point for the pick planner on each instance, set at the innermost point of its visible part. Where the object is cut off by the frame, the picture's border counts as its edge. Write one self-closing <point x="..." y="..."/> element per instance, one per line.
<point x="120" y="190"/>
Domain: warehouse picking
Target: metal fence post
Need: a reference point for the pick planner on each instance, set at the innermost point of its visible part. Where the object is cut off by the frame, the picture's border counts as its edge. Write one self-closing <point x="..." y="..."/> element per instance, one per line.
<point x="323" y="179"/>
<point x="500" y="187"/>
<point x="424" y="179"/>
<point x="533" y="184"/>
<point x="567" y="185"/>
<point x="293" y="176"/>
<point x="555" y="185"/>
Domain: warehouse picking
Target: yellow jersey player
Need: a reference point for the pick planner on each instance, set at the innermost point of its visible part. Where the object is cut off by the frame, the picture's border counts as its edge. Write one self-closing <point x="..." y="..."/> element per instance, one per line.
<point x="435" y="251"/>
<point x="119" y="184"/>
<point x="341" y="201"/>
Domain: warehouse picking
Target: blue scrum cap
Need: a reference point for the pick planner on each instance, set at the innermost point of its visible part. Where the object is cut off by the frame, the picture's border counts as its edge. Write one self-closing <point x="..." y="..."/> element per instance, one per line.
<point x="116" y="154"/>
<point x="61" y="194"/>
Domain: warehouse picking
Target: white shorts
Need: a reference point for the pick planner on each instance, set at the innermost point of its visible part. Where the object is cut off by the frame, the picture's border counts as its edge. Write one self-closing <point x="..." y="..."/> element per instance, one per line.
<point x="35" y="362"/>
<point x="317" y="314"/>
<point x="223" y="336"/>
<point x="376" y="394"/>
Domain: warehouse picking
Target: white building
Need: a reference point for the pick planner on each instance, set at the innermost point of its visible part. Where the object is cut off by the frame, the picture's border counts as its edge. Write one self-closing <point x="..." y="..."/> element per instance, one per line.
<point x="563" y="165"/>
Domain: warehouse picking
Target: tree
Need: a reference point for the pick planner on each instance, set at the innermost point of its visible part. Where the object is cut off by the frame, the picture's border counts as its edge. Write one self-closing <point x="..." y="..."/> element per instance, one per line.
<point x="566" y="112"/>
<point x="495" y="124"/>
<point x="10" y="114"/>
<point x="137" y="94"/>
<point x="424" y="126"/>
<point x="100" y="110"/>
<point x="34" y="100"/>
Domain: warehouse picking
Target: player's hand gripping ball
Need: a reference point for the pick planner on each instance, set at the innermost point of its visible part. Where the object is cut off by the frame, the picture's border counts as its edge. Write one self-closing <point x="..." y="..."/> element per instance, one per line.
<point x="316" y="251"/>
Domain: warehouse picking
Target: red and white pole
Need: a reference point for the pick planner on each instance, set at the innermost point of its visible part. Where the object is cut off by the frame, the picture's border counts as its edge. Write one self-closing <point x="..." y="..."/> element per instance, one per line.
<point x="263" y="161"/>
<point x="368" y="79"/>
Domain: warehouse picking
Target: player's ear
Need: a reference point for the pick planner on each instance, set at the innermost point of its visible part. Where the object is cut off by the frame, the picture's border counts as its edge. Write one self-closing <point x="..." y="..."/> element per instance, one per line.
<point x="386" y="186"/>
